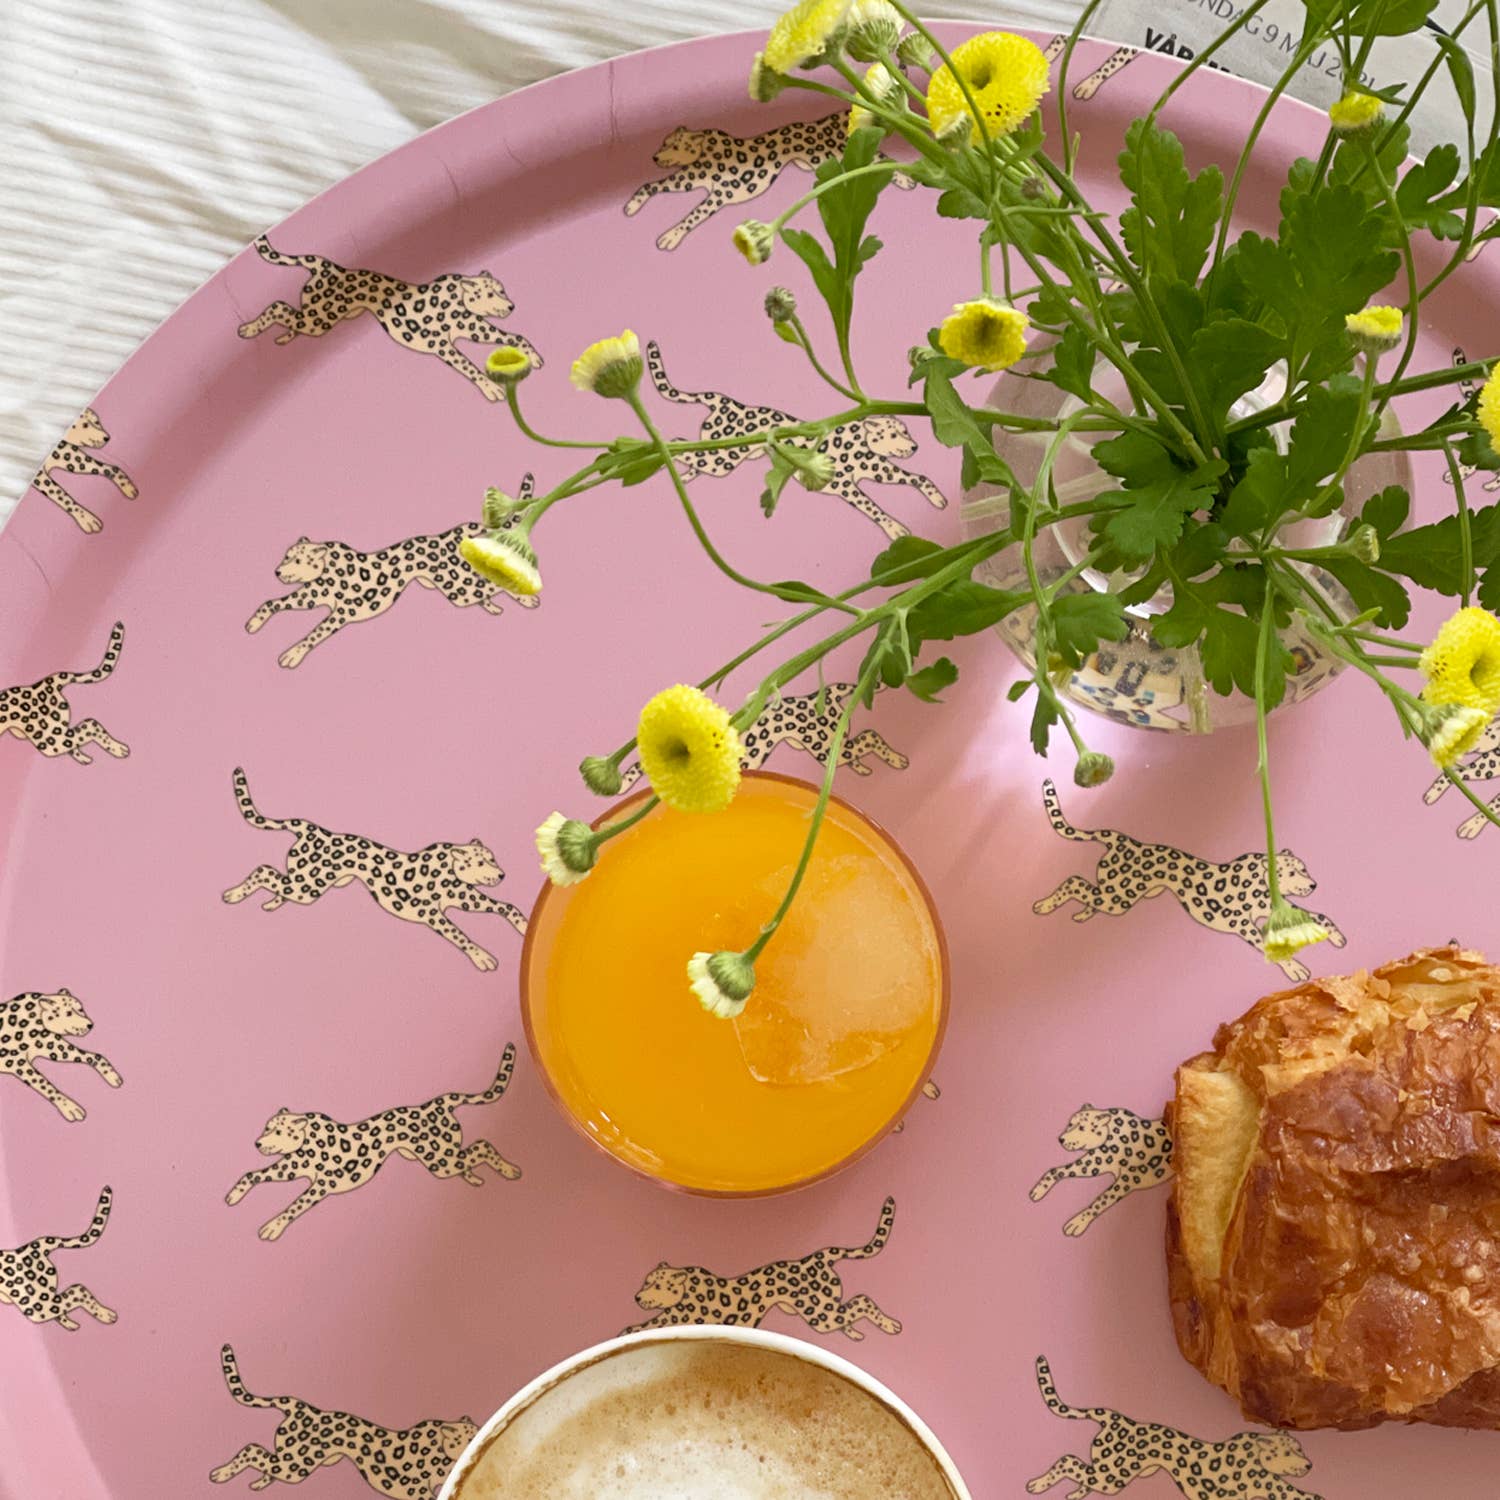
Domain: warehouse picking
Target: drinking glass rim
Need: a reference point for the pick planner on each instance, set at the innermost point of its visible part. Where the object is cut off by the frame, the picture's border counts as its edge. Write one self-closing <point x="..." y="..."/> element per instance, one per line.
<point x="528" y="944"/>
<point x="573" y="1364"/>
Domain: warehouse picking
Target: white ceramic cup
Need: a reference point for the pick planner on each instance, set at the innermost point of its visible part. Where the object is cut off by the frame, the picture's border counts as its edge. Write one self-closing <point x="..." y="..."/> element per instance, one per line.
<point x="544" y="1384"/>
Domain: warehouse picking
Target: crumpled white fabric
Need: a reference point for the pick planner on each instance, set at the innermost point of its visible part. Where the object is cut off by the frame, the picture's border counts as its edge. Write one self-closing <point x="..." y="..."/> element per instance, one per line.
<point x="147" y="141"/>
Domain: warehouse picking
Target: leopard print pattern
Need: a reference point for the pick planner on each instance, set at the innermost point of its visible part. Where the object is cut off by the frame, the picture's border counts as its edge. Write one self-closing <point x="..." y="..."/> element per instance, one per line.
<point x="427" y="317"/>
<point x="39" y="712"/>
<point x="1483" y="764"/>
<point x="1135" y="1151"/>
<point x="333" y="1156"/>
<point x="416" y="887"/>
<point x="72" y="455"/>
<point x="930" y="1090"/>
<point x="354" y="586"/>
<point x="1467" y="388"/>
<point x="733" y="169"/>
<point x="29" y="1281"/>
<point x="803" y="722"/>
<point x="1247" y="1466"/>
<point x="409" y="1463"/>
<point x="35" y="1025"/>
<point x="1086" y="88"/>
<point x="809" y="1288"/>
<point x="1231" y="898"/>
<point x="861" y="452"/>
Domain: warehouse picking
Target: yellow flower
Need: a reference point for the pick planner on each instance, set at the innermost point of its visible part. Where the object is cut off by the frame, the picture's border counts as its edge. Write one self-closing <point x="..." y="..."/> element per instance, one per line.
<point x="1489" y="406"/>
<point x="885" y="88"/>
<point x="1451" y="732"/>
<point x="610" y="367"/>
<point x="1375" y="329"/>
<point x="754" y="240"/>
<point x="506" y="560"/>
<point x="1462" y="665"/>
<point x="508" y="365"/>
<point x="690" y="751"/>
<point x="567" y="849"/>
<point x="985" y="333"/>
<point x="1289" y="929"/>
<point x="804" y="35"/>
<point x="1354" y="111"/>
<point x="1006" y="74"/>
<point x="722" y="982"/>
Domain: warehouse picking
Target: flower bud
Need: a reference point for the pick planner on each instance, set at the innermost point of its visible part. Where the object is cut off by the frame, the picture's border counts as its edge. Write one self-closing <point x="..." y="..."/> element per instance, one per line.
<point x="781" y="304"/>
<point x="754" y="240"/>
<point x="722" y="982"/>
<point x="1093" y="769"/>
<point x="1364" y="544"/>
<point x="507" y="366"/>
<point x="601" y="776"/>
<point x="1033" y="189"/>
<point x="874" y="30"/>
<point x="499" y="509"/>
<point x="1356" y="111"/>
<point x="765" y="82"/>
<point x="915" y="51"/>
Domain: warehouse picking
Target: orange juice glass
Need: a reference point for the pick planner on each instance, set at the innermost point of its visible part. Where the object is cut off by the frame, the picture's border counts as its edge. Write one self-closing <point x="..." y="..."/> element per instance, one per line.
<point x="849" y="1005"/>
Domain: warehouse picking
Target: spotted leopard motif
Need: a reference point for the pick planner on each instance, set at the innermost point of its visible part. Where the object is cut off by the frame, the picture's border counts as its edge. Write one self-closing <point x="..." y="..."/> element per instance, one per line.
<point x="803" y="722"/>
<point x="809" y="1288"/>
<point x="408" y="1463"/>
<point x="1134" y="1151"/>
<point x="1482" y="765"/>
<point x="74" y="454"/>
<point x="930" y="1090"/>
<point x="39" y="712"/>
<point x="417" y="887"/>
<point x="354" y="586"/>
<point x="1247" y="1466"/>
<point x="427" y="317"/>
<point x="333" y="1156"/>
<point x="35" y="1026"/>
<point x="30" y="1283"/>
<point x="861" y="452"/>
<point x="1231" y="897"/>
<point x="732" y="169"/>
<point x="1086" y="88"/>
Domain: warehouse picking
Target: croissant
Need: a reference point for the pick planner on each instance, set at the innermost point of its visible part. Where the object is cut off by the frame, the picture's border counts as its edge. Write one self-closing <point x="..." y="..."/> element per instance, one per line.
<point x="1333" y="1235"/>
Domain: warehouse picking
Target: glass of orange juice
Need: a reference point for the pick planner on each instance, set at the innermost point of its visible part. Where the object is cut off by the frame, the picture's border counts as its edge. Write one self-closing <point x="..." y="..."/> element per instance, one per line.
<point x="848" y="1010"/>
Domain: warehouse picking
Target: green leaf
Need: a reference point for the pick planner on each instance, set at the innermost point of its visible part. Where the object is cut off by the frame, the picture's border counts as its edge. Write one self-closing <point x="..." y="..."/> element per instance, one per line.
<point x="1320" y="435"/>
<point x="776" y="481"/>
<point x="1420" y="196"/>
<point x="1073" y="363"/>
<point x="1488" y="596"/>
<point x="1160" y="492"/>
<point x="630" y="460"/>
<point x="1233" y="355"/>
<point x="1386" y="511"/>
<point x="1080" y="621"/>
<point x="1460" y="69"/>
<point x="1371" y="589"/>
<point x="786" y="333"/>
<point x="1217" y="612"/>
<point x="906" y="559"/>
<point x="1042" y="720"/>
<point x="1432" y="556"/>
<point x="953" y="424"/>
<point x="1389" y="17"/>
<point x="1172" y="218"/>
<point x="1261" y="492"/>
<point x="929" y="681"/>
<point x="963" y="607"/>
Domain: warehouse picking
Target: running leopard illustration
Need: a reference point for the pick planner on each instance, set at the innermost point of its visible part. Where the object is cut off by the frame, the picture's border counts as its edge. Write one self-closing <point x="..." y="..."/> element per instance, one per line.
<point x="39" y="712"/>
<point x="809" y="1288"/>
<point x="1247" y="1466"/>
<point x="732" y="169"/>
<point x="356" y="586"/>
<point x="427" y="317"/>
<point x="1482" y="765"/>
<point x="930" y="1090"/>
<point x="861" y="451"/>
<point x="1229" y="897"/>
<point x="29" y="1281"/>
<point x="418" y="887"/>
<point x="1086" y="88"/>
<point x="333" y="1156"/>
<point x="72" y="455"/>
<point x="799" y="720"/>
<point x="409" y="1463"/>
<point x="1135" y="1151"/>
<point x="35" y="1025"/>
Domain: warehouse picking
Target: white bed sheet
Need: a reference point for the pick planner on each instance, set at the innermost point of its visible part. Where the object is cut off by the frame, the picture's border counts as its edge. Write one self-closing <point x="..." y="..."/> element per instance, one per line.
<point x="146" y="141"/>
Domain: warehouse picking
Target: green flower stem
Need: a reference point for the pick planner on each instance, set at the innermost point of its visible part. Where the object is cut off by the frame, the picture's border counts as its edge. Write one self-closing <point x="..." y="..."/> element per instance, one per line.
<point x="887" y="167"/>
<point x="1388" y="641"/>
<point x="804" y="342"/>
<point x="815" y="822"/>
<point x="894" y="68"/>
<point x="1201" y="59"/>
<point x="1262" y="758"/>
<point x="1080" y="26"/>
<point x="614" y="830"/>
<point x="1409" y="264"/>
<point x="1465" y="529"/>
<point x="1351" y="450"/>
<point x="514" y="402"/>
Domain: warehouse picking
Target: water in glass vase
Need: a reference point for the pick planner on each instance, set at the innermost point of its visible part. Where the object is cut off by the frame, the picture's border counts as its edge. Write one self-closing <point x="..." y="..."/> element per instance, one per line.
<point x="835" y="1041"/>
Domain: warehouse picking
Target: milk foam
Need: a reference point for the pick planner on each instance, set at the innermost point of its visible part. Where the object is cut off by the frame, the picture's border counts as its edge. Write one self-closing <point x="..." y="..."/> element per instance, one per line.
<point x="697" y="1421"/>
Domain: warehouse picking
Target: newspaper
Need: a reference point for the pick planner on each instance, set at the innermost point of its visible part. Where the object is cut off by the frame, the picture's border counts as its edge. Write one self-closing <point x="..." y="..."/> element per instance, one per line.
<point x="1261" y="52"/>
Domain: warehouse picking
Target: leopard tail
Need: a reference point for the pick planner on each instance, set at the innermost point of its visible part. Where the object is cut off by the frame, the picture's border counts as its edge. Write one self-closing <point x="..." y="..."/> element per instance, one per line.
<point x="105" y="667"/>
<point x="877" y="1240"/>
<point x="1057" y="1405"/>
<point x="96" y="1224"/>
<point x="497" y="1088"/>
<point x="1059" y="823"/>
<point x="267" y="251"/>
<point x="237" y="1386"/>
<point x="664" y="387"/>
<point x="251" y="813"/>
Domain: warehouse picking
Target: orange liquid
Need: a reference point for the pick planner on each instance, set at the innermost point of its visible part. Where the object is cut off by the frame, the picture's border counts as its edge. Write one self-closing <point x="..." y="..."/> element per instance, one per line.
<point x="838" y="1035"/>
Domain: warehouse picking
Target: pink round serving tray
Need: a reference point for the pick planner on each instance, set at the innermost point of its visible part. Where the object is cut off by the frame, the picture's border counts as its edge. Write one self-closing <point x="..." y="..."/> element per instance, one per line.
<point x="373" y="1329"/>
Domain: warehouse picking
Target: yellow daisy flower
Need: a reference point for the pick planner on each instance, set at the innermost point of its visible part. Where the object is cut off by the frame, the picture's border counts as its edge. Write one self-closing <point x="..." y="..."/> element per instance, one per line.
<point x="1006" y="74"/>
<point x="754" y="241"/>
<point x="567" y="849"/>
<point x="885" y="88"/>
<point x="986" y="333"/>
<point x="610" y="367"/>
<point x="1375" y="329"/>
<point x="1289" y="929"/>
<point x="507" y="560"/>
<point x="722" y="982"/>
<point x="1452" y="731"/>
<point x="804" y="34"/>
<point x="1462" y="665"/>
<point x="508" y="365"/>
<point x="1355" y="111"/>
<point x="1489" y="406"/>
<point x="690" y="751"/>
